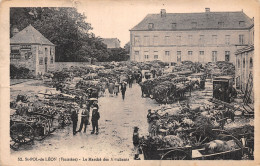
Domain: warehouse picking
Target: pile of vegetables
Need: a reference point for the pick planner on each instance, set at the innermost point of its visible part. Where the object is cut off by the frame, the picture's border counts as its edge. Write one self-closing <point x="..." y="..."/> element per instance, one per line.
<point x="220" y="68"/>
<point x="167" y="88"/>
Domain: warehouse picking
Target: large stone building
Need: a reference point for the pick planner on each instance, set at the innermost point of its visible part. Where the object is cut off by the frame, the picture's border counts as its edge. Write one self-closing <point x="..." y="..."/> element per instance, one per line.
<point x="111" y="42"/>
<point x="198" y="37"/>
<point x="30" y="49"/>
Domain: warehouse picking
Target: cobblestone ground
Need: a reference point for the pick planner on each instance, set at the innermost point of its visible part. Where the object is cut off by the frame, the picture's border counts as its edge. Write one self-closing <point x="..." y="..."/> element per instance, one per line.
<point x="118" y="118"/>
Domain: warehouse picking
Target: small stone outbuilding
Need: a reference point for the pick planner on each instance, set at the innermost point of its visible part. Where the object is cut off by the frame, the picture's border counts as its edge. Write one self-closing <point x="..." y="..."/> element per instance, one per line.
<point x="30" y="49"/>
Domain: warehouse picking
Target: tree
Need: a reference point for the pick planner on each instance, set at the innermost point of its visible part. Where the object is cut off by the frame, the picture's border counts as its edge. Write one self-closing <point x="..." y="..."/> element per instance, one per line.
<point x="118" y="54"/>
<point x="127" y="47"/>
<point x="64" y="27"/>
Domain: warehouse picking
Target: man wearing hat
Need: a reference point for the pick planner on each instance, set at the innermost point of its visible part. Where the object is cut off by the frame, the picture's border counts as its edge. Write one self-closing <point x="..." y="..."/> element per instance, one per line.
<point x="94" y="119"/>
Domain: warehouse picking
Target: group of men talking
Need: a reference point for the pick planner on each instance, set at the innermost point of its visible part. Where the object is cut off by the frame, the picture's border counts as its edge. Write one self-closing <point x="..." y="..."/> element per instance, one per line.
<point x="85" y="112"/>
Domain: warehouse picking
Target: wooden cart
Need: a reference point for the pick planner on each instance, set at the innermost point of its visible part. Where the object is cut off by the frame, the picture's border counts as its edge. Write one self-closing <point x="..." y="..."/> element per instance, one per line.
<point x="195" y="152"/>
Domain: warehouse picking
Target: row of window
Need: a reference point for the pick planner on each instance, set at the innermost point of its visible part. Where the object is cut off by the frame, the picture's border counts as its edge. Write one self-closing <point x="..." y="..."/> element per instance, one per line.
<point x="167" y="40"/>
<point x="190" y="53"/>
<point x="179" y="52"/>
<point x="194" y="25"/>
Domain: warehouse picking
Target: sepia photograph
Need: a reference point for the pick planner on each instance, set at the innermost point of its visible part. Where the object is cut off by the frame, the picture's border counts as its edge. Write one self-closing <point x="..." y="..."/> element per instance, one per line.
<point x="95" y="82"/>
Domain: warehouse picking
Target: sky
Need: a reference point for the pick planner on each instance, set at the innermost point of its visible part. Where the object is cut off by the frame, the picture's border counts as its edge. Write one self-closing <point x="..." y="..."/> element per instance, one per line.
<point x="114" y="19"/>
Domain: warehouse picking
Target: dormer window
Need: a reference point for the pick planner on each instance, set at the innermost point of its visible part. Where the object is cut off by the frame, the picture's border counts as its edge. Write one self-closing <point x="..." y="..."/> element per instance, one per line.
<point x="174" y="25"/>
<point x="150" y="26"/>
<point x="241" y="23"/>
<point x="194" y="24"/>
<point x="220" y="24"/>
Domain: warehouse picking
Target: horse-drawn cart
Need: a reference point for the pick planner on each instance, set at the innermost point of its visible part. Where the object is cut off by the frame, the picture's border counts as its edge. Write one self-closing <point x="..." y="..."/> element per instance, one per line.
<point x="24" y="129"/>
<point x="203" y="146"/>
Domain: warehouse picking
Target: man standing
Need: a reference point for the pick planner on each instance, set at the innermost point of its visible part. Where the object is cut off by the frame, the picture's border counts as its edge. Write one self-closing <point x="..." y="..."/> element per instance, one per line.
<point x="150" y="121"/>
<point x="123" y="89"/>
<point x="136" y="143"/>
<point x="74" y="118"/>
<point x="94" y="119"/>
<point x="84" y="119"/>
<point x="116" y="89"/>
<point x="130" y="80"/>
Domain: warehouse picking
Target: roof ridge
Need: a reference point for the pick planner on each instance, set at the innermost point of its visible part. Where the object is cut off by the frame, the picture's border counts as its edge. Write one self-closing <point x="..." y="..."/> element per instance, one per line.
<point x="30" y="35"/>
<point x="200" y="12"/>
<point x="205" y="20"/>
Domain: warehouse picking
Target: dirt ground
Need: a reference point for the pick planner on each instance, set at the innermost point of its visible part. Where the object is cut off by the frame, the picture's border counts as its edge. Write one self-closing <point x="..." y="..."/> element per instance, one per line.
<point x="118" y="118"/>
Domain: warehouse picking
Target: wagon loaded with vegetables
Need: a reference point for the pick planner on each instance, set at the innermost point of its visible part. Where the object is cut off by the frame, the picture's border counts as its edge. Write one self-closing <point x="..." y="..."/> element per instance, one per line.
<point x="35" y="120"/>
<point x="167" y="88"/>
<point x="189" y="133"/>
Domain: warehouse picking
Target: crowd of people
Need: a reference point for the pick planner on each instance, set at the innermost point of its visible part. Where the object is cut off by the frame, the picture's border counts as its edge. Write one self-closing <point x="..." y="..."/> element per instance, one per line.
<point x="88" y="103"/>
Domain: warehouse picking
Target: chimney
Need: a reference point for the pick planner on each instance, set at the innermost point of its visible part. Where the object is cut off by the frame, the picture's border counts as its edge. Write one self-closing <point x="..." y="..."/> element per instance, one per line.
<point x="163" y="13"/>
<point x="207" y="10"/>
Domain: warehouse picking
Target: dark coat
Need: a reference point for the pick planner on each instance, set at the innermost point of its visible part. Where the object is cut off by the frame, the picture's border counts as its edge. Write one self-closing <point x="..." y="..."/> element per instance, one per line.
<point x="95" y="115"/>
<point x="74" y="116"/>
<point x="123" y="88"/>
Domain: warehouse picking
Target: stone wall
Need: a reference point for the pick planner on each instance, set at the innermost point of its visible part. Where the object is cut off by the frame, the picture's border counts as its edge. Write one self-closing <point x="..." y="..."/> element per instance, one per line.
<point x="60" y="65"/>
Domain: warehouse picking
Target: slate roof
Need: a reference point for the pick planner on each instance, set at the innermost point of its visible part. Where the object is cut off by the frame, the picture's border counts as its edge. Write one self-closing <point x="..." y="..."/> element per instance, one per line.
<point x="205" y="20"/>
<point x="29" y="35"/>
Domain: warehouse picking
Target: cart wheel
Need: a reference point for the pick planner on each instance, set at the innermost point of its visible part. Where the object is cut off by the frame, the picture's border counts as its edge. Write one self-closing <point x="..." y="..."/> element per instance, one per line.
<point x="21" y="133"/>
<point x="198" y="138"/>
<point x="176" y="155"/>
<point x="42" y="128"/>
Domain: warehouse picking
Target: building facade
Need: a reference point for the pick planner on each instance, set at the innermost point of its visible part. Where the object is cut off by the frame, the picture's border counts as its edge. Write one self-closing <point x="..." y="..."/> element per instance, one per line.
<point x="198" y="37"/>
<point x="30" y="49"/>
<point x="244" y="65"/>
<point x="111" y="42"/>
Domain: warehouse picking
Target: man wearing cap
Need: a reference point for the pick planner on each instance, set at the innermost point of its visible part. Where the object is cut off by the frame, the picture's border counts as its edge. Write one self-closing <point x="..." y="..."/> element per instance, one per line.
<point x="94" y="119"/>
